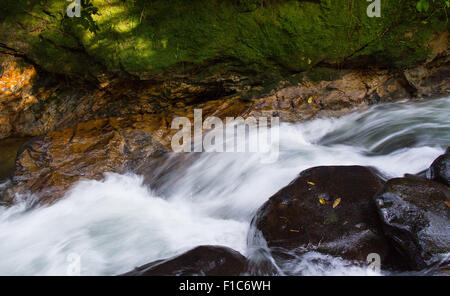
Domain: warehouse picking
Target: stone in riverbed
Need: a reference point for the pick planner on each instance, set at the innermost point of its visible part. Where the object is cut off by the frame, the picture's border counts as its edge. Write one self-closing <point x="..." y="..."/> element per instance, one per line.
<point x="49" y="165"/>
<point x="200" y="261"/>
<point x="416" y="218"/>
<point x="326" y="209"/>
<point x="440" y="169"/>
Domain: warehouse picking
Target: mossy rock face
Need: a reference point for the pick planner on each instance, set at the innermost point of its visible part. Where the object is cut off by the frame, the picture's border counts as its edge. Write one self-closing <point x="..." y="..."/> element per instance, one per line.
<point x="201" y="38"/>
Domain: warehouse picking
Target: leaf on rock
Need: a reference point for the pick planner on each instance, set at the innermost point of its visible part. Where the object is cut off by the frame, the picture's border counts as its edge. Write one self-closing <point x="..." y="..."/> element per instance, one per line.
<point x="322" y="201"/>
<point x="311" y="183"/>
<point x="336" y="202"/>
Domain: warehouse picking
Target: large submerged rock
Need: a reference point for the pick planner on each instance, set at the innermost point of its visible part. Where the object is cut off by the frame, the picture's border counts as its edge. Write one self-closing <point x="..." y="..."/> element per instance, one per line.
<point x="329" y="210"/>
<point x="416" y="218"/>
<point x="200" y="261"/>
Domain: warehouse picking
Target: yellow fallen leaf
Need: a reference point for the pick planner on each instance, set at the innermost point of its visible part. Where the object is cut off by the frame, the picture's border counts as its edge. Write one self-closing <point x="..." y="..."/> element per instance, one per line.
<point x="447" y="203"/>
<point x="294" y="230"/>
<point x="322" y="201"/>
<point x="311" y="183"/>
<point x="310" y="100"/>
<point x="345" y="223"/>
<point x="336" y="202"/>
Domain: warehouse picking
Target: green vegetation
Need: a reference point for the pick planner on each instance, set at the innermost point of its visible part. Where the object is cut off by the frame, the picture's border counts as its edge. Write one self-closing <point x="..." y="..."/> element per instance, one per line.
<point x="147" y="38"/>
<point x="424" y="5"/>
<point x="323" y="74"/>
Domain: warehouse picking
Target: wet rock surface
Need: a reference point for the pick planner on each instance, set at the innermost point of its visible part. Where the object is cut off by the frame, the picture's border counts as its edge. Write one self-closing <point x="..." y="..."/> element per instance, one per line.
<point x="432" y="78"/>
<point x="48" y="165"/>
<point x="326" y="209"/>
<point x="34" y="103"/>
<point x="15" y="94"/>
<point x="200" y="261"/>
<point x="62" y="116"/>
<point x="416" y="216"/>
<point x="8" y="152"/>
<point x="351" y="90"/>
<point x="440" y="169"/>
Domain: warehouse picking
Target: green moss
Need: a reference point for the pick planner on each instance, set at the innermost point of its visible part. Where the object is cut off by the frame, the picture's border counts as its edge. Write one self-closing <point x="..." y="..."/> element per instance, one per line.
<point x="323" y="74"/>
<point x="218" y="36"/>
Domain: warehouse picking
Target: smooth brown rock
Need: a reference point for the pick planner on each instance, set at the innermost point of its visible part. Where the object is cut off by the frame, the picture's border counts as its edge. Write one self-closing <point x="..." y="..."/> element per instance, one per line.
<point x="331" y="98"/>
<point x="48" y="165"/>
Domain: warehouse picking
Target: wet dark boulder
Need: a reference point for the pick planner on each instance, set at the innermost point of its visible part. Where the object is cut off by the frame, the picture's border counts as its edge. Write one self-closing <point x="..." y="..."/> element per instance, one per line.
<point x="200" y="261"/>
<point x="440" y="169"/>
<point x="416" y="216"/>
<point x="326" y="209"/>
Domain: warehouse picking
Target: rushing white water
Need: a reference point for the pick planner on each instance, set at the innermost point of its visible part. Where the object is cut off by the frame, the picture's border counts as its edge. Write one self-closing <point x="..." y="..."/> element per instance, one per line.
<point x="119" y="223"/>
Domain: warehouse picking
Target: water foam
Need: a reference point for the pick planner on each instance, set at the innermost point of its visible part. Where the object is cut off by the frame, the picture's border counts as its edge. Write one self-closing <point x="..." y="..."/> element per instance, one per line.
<point x="119" y="223"/>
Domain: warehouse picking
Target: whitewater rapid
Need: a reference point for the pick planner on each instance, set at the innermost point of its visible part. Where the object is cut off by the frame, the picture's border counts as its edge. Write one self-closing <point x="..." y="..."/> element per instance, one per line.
<point x="119" y="222"/>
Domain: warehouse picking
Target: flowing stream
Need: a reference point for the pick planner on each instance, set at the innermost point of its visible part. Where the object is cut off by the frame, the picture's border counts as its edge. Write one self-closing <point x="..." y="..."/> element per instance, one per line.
<point x="118" y="223"/>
